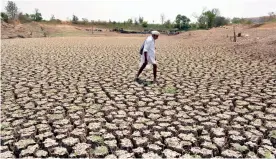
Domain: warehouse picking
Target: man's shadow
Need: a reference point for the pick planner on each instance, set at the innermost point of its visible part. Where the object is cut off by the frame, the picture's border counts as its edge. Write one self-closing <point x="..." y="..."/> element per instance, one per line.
<point x="144" y="82"/>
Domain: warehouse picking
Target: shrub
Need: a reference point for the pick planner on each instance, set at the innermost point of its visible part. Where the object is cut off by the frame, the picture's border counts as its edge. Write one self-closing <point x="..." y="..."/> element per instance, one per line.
<point x="24" y="18"/>
<point x="4" y="17"/>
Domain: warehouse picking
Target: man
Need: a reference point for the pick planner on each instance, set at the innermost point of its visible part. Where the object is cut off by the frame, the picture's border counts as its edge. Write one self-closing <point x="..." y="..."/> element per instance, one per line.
<point x="148" y="54"/>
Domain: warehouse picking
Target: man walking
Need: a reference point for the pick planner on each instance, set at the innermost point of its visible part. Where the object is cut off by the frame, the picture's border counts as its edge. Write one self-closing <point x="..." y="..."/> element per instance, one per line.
<point x="148" y="54"/>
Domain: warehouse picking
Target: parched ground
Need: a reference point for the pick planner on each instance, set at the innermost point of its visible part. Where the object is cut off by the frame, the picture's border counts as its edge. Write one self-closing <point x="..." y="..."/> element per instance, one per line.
<point x="75" y="97"/>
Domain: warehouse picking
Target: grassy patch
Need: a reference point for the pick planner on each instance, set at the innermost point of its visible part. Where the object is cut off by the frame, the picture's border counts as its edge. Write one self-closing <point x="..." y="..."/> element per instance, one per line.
<point x="170" y="90"/>
<point x="147" y="83"/>
<point x="101" y="150"/>
<point x="241" y="148"/>
<point x="268" y="155"/>
<point x="4" y="126"/>
<point x="97" y="139"/>
<point x="272" y="133"/>
<point x="196" y="156"/>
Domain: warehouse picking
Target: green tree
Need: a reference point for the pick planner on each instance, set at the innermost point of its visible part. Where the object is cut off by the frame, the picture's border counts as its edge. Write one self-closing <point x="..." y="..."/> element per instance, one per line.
<point x="75" y="19"/>
<point x="207" y="18"/>
<point x="168" y="24"/>
<point x="12" y="10"/>
<point x="202" y="22"/>
<point x="129" y="21"/>
<point x="141" y="20"/>
<point x="54" y="20"/>
<point x="193" y="26"/>
<point x="145" y="24"/>
<point x="182" y="22"/>
<point x="211" y="16"/>
<point x="240" y="21"/>
<point x="236" y="20"/>
<point x="220" y="21"/>
<point x="4" y="17"/>
<point x="36" y="16"/>
<point x="135" y="21"/>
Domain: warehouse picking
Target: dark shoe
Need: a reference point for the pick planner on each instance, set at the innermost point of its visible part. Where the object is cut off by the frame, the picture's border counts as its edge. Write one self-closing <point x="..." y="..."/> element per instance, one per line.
<point x="136" y="79"/>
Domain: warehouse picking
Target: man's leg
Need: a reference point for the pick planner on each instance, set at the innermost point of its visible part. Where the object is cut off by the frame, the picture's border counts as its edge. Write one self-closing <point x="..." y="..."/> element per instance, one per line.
<point x="154" y="72"/>
<point x="141" y="69"/>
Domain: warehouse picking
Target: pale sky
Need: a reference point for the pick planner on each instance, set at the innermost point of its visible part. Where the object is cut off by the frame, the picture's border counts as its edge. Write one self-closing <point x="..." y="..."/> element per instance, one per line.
<point x="121" y="10"/>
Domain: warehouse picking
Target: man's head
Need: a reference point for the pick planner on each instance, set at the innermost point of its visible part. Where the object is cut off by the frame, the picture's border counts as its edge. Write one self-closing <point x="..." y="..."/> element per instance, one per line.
<point x="155" y="34"/>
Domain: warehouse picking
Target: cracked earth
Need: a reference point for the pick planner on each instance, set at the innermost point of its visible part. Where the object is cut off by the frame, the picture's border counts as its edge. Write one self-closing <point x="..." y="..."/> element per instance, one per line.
<point x="75" y="97"/>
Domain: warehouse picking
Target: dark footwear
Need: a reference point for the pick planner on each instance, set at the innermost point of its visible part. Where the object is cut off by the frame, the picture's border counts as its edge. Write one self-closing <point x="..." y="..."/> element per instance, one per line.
<point x="136" y="79"/>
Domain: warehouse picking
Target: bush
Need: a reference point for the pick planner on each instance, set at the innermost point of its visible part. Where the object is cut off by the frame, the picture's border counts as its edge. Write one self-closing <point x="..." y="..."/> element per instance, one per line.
<point x="24" y="18"/>
<point x="167" y="24"/>
<point x="220" y="21"/>
<point x="4" y="17"/>
<point x="193" y="26"/>
<point x="145" y="24"/>
<point x="55" y="21"/>
<point x="241" y="21"/>
<point x="236" y="20"/>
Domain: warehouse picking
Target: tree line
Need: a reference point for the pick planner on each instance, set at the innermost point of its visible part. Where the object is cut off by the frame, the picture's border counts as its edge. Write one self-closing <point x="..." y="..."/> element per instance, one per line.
<point x="206" y="20"/>
<point x="13" y="14"/>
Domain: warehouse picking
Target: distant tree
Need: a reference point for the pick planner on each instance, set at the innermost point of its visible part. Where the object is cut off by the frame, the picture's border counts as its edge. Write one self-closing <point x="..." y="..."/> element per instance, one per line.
<point x="207" y="18"/>
<point x="168" y="24"/>
<point x="202" y="22"/>
<point x="162" y="16"/>
<point x="4" y="17"/>
<point x="241" y="21"/>
<point x="145" y="24"/>
<point x="193" y="26"/>
<point x="135" y="21"/>
<point x="36" y="16"/>
<point x="84" y="20"/>
<point x="12" y="10"/>
<point x="216" y="11"/>
<point x="272" y="15"/>
<point x="75" y="19"/>
<point x="129" y="21"/>
<point x="141" y="20"/>
<point x="211" y="16"/>
<point x="52" y="17"/>
<point x="182" y="22"/>
<point x="236" y="20"/>
<point x="220" y="21"/>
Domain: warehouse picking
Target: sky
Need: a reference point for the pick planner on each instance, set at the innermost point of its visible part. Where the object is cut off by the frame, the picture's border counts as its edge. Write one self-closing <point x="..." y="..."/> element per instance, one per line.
<point x="122" y="10"/>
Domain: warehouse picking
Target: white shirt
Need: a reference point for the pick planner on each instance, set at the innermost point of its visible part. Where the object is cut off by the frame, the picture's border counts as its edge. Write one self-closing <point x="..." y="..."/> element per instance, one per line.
<point x="149" y="46"/>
